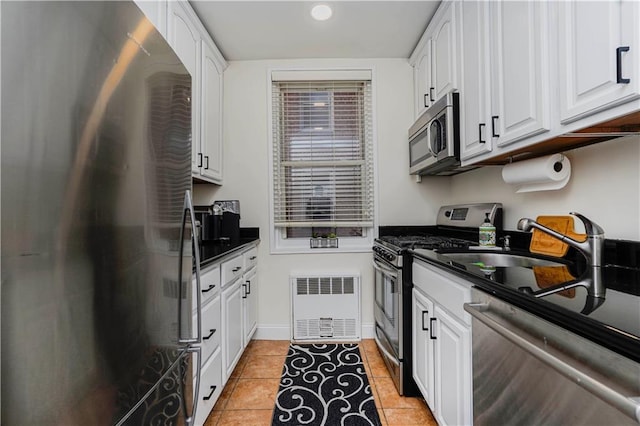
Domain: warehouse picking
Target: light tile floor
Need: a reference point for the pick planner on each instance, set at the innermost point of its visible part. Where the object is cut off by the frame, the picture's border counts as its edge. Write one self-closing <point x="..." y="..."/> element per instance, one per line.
<point x="249" y="396"/>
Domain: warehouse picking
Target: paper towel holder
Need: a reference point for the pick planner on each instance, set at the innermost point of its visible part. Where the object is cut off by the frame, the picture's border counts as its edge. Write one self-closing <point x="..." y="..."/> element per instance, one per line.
<point x="545" y="173"/>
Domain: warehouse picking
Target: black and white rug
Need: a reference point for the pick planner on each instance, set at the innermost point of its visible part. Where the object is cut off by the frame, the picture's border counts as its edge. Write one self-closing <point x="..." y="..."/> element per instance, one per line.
<point x="324" y="384"/>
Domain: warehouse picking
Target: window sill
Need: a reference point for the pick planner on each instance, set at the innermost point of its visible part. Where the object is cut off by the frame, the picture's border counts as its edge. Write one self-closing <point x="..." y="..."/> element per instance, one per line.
<point x="288" y="250"/>
<point x="301" y="246"/>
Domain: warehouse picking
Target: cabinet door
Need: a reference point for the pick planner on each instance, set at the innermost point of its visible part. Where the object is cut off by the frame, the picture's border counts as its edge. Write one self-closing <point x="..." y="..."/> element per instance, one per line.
<point x="210" y="328"/>
<point x="590" y="35"/>
<point x="185" y="40"/>
<point x="444" y="51"/>
<point x="211" y="386"/>
<point x="520" y="69"/>
<point x="156" y="12"/>
<point x="475" y="94"/>
<point x="452" y="358"/>
<point x="423" y="372"/>
<point x="422" y="80"/>
<point x="250" y="305"/>
<point x="211" y="126"/>
<point x="231" y="327"/>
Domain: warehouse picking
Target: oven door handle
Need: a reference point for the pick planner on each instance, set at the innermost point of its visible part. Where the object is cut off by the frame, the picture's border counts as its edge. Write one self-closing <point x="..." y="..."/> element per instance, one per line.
<point x="390" y="272"/>
<point x="386" y="353"/>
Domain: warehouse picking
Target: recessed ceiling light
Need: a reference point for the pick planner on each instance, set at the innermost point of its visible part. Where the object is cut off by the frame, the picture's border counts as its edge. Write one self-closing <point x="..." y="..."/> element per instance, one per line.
<point x="321" y="12"/>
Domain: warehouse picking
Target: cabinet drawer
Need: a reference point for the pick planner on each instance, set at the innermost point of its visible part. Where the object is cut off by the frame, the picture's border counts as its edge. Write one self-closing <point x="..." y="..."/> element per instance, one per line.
<point x="445" y="289"/>
<point x="210" y="328"/>
<point x="250" y="258"/>
<point x="210" y="387"/>
<point x="232" y="269"/>
<point x="210" y="283"/>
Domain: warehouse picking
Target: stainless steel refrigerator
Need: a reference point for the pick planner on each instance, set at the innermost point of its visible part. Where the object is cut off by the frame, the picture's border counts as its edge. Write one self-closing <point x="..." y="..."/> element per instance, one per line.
<point x="97" y="309"/>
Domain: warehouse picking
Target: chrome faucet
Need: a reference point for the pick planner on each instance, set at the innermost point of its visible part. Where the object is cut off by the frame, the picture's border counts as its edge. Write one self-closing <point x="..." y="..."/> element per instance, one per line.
<point x="591" y="248"/>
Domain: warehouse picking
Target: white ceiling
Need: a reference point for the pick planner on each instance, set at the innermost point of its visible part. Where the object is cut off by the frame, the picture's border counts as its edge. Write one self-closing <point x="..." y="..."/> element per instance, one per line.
<point x="251" y="30"/>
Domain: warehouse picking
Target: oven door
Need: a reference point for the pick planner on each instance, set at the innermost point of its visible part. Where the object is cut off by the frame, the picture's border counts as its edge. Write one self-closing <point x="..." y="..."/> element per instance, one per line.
<point x="388" y="297"/>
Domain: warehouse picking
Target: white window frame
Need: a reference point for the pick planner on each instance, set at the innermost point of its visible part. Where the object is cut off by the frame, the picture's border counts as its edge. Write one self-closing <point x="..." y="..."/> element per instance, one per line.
<point x="279" y="244"/>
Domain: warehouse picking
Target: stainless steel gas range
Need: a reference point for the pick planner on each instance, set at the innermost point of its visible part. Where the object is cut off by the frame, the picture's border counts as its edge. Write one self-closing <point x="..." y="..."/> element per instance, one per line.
<point x="456" y="227"/>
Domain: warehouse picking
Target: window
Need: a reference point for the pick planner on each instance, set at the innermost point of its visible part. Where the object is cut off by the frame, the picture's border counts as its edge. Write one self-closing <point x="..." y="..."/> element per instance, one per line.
<point x="322" y="161"/>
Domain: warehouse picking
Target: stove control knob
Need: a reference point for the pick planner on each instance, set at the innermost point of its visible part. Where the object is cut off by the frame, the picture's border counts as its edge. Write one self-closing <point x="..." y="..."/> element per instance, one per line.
<point x="389" y="256"/>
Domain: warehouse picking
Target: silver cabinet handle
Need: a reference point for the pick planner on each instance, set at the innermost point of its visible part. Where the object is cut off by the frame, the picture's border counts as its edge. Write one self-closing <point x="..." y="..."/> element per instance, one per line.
<point x="516" y="336"/>
<point x="187" y="210"/>
<point x="253" y="257"/>
<point x="236" y="269"/>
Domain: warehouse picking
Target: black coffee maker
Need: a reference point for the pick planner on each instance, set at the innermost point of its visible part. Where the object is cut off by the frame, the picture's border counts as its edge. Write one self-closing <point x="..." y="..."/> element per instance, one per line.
<point x="226" y="217"/>
<point x="219" y="222"/>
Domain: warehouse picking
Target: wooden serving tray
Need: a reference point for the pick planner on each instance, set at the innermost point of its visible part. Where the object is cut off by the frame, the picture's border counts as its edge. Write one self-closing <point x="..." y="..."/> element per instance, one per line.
<point x="542" y="243"/>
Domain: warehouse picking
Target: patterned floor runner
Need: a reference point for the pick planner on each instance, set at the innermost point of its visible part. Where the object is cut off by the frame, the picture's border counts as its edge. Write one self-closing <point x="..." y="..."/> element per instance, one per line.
<point x="324" y="384"/>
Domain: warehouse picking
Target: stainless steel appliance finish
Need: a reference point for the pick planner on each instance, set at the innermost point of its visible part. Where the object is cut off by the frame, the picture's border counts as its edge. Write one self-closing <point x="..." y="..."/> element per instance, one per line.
<point x="96" y="219"/>
<point x="434" y="139"/>
<point x="529" y="371"/>
<point x="388" y="316"/>
<point x="393" y="283"/>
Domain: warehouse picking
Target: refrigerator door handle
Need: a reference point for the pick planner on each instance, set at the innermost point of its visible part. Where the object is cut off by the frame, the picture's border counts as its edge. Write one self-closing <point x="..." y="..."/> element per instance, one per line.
<point x="190" y="420"/>
<point x="188" y="209"/>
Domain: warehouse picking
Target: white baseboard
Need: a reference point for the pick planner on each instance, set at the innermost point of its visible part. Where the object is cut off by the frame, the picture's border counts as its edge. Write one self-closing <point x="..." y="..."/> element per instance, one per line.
<point x="272" y="332"/>
<point x="368" y="330"/>
<point x="283" y="332"/>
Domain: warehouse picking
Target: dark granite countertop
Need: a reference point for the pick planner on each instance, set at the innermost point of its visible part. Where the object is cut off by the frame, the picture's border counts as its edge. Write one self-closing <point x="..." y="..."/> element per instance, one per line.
<point x="615" y="324"/>
<point x="212" y="251"/>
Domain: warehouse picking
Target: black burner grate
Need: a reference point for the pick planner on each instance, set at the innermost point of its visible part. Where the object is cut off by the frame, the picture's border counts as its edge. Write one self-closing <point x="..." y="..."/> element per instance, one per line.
<point x="425" y="241"/>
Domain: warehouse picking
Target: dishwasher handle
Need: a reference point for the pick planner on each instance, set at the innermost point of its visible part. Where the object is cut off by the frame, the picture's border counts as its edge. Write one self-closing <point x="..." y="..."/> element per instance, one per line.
<point x="628" y="405"/>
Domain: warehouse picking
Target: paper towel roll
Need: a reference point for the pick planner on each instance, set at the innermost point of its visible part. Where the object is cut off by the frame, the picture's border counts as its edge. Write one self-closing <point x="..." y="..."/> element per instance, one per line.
<point x="539" y="174"/>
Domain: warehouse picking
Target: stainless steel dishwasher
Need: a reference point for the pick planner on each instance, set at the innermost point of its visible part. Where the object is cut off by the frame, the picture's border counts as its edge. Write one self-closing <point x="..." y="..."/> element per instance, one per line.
<point x="528" y="371"/>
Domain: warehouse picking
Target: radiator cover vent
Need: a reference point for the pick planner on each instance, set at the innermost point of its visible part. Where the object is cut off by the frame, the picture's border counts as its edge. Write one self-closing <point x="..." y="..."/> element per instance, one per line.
<point x="326" y="307"/>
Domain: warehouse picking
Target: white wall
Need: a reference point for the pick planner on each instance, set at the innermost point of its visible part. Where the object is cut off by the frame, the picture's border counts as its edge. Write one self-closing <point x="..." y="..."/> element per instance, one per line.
<point x="246" y="175"/>
<point x="604" y="186"/>
<point x="605" y="182"/>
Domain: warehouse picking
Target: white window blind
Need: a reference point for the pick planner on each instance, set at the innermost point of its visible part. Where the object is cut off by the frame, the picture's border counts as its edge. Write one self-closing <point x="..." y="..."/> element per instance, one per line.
<point x="322" y="154"/>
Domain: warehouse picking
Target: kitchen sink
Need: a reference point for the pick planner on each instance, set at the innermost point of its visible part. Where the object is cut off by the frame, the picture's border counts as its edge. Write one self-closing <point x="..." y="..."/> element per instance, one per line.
<point x="499" y="259"/>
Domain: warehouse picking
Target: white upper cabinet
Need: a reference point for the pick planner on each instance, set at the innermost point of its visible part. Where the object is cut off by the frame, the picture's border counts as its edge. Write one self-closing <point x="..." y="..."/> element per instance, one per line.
<point x="156" y="12"/>
<point x="444" y="50"/>
<point x="520" y="69"/>
<point x="434" y="61"/>
<point x="475" y="83"/>
<point x="184" y="37"/>
<point x="422" y="80"/>
<point x="200" y="56"/>
<point x="598" y="54"/>
<point x="211" y="124"/>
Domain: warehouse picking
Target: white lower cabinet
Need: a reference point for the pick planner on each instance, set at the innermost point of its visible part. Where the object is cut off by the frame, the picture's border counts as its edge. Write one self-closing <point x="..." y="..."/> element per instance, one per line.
<point x="229" y="318"/>
<point x="211" y="385"/>
<point x="210" y="328"/>
<point x="232" y="333"/>
<point x="442" y="344"/>
<point x="423" y="346"/>
<point x="250" y="305"/>
<point x="452" y="366"/>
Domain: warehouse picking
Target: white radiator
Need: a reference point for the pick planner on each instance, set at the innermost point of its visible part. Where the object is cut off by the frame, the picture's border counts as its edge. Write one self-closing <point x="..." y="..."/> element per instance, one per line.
<point x="325" y="307"/>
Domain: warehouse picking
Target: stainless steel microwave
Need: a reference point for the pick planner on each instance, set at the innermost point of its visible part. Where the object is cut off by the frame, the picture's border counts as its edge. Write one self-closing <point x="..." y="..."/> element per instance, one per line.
<point x="434" y="139"/>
